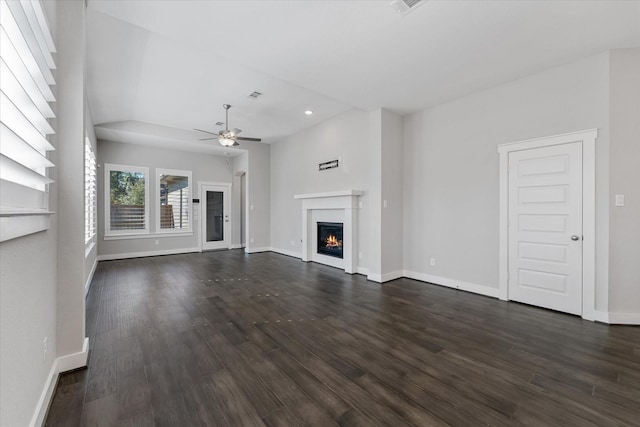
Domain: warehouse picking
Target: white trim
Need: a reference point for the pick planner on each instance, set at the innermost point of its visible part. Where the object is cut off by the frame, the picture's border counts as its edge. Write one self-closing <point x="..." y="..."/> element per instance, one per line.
<point x="236" y="246"/>
<point x="546" y="141"/>
<point x="589" y="227"/>
<point x="87" y="284"/>
<point x="157" y="209"/>
<point x="386" y="277"/>
<point x="362" y="270"/>
<point x="453" y="283"/>
<point x="42" y="407"/>
<point x="601" y="316"/>
<point x="73" y="361"/>
<point x="624" y="318"/>
<point x="345" y="201"/>
<point x="392" y="275"/>
<point x="110" y="257"/>
<point x="588" y="139"/>
<point x="329" y="194"/>
<point x="202" y="213"/>
<point x="17" y="225"/>
<point x="374" y="277"/>
<point x="89" y="247"/>
<point x="249" y="250"/>
<point x="286" y="252"/>
<point x="60" y="365"/>
<point x="148" y="236"/>
<point x="108" y="167"/>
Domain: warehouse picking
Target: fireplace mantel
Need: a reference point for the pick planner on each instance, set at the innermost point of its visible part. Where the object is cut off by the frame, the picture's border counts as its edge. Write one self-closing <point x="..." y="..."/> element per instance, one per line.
<point x="336" y="206"/>
<point x="329" y="194"/>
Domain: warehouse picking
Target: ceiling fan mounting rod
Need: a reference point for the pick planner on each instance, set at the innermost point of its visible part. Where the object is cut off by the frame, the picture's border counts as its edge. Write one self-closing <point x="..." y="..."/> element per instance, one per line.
<point x="226" y="111"/>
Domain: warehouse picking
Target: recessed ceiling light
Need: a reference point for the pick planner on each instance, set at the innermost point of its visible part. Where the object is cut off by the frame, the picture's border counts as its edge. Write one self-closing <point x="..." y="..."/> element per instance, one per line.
<point x="308" y="112"/>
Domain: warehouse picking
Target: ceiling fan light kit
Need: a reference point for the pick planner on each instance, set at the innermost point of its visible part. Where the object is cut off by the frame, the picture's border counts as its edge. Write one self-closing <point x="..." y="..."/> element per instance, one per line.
<point x="226" y="137"/>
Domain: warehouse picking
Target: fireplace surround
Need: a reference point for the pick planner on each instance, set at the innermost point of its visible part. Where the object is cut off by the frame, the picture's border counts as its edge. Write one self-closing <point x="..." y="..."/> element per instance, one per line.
<point x="331" y="207"/>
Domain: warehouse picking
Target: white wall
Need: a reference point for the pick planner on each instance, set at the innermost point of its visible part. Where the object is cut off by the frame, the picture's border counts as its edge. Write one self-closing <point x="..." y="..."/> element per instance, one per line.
<point x="386" y="196"/>
<point x="204" y="167"/>
<point x="28" y="284"/>
<point x="37" y="302"/>
<point x="240" y="165"/>
<point x="374" y="229"/>
<point x="392" y="194"/>
<point x="451" y="167"/>
<point x="294" y="170"/>
<point x="70" y="169"/>
<point x="258" y="196"/>
<point x="624" y="280"/>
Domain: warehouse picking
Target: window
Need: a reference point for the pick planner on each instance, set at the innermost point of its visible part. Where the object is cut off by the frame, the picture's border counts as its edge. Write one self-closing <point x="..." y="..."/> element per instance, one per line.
<point x="127" y="200"/>
<point x="25" y="48"/>
<point x="90" y="192"/>
<point x="174" y="196"/>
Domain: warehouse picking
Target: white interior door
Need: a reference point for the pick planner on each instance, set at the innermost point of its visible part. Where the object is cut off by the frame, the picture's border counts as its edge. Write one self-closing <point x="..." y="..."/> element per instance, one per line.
<point x="545" y="227"/>
<point x="216" y="230"/>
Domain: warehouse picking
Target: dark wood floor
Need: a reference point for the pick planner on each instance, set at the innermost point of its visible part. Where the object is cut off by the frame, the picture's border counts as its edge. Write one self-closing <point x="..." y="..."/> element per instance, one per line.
<point x="224" y="338"/>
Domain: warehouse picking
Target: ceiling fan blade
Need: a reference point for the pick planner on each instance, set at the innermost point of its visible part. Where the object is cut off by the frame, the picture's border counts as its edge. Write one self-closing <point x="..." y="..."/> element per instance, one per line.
<point x="206" y="139"/>
<point x="206" y="131"/>
<point x="236" y="131"/>
<point x="235" y="144"/>
<point x="242" y="138"/>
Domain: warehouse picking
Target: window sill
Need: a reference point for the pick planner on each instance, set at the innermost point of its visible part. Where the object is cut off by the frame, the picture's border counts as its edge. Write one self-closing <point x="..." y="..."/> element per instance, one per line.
<point x="89" y="247"/>
<point x="15" y="223"/>
<point x="147" y="236"/>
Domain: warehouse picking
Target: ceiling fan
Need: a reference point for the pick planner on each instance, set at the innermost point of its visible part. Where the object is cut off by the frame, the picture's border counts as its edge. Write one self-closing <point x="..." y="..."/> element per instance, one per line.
<point x="226" y="137"/>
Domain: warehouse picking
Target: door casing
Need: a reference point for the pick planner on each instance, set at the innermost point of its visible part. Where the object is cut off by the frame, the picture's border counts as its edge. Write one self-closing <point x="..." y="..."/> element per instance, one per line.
<point x="587" y="138"/>
<point x="202" y="211"/>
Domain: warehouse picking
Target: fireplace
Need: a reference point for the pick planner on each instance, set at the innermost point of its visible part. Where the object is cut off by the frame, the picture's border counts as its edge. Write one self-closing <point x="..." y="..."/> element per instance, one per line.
<point x="330" y="239"/>
<point x="337" y="207"/>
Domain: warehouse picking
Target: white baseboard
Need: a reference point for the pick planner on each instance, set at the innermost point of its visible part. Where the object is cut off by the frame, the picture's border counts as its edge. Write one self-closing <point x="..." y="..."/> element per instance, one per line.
<point x="74" y="360"/>
<point x="42" y="407"/>
<point x="362" y="270"/>
<point x="256" y="250"/>
<point x="392" y="275"/>
<point x="452" y="283"/>
<point x="61" y="364"/>
<point x="374" y="277"/>
<point x="599" y="316"/>
<point x="286" y="252"/>
<point x="109" y="257"/>
<point x="616" y="318"/>
<point x="87" y="284"/>
<point x="386" y="277"/>
<point x="236" y="246"/>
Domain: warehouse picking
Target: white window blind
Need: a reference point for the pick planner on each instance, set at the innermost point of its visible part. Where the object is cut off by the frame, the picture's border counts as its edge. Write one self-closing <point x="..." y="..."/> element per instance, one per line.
<point x="90" y="191"/>
<point x="26" y="61"/>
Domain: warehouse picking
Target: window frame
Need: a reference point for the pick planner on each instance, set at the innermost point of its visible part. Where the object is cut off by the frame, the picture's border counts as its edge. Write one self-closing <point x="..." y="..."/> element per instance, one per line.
<point x="158" y="209"/>
<point x="108" y="168"/>
<point x="90" y="193"/>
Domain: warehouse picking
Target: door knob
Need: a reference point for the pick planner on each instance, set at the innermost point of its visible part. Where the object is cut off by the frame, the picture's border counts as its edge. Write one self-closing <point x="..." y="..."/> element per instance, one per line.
<point x="574" y="237"/>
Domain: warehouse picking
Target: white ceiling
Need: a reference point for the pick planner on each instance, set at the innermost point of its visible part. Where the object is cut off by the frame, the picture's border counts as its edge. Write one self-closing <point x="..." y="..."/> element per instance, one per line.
<point x="174" y="63"/>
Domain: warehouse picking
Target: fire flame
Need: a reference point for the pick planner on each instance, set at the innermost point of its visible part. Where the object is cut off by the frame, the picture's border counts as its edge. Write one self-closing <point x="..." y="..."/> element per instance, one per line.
<point x="332" y="242"/>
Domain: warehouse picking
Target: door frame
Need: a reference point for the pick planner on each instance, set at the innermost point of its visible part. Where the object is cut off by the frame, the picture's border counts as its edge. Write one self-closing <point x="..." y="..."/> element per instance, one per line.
<point x="203" y="202"/>
<point x="587" y="138"/>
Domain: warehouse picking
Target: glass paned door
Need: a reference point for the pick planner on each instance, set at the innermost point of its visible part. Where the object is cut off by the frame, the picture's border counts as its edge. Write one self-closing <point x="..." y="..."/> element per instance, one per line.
<point x="215" y="214"/>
